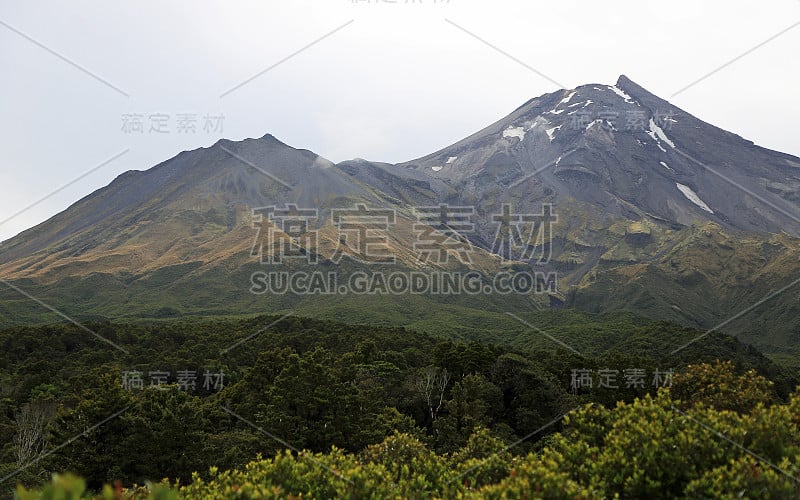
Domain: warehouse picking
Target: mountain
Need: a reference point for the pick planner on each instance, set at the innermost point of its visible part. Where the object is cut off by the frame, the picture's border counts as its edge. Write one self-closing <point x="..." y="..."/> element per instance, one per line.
<point x="628" y="152"/>
<point x="657" y="213"/>
<point x="180" y="238"/>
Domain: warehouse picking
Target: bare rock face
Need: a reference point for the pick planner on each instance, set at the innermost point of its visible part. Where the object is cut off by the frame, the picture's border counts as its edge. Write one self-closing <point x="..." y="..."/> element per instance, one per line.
<point x="623" y="150"/>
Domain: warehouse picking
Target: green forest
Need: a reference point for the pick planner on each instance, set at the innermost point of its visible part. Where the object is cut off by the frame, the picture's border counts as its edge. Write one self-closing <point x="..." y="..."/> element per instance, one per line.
<point x="290" y="407"/>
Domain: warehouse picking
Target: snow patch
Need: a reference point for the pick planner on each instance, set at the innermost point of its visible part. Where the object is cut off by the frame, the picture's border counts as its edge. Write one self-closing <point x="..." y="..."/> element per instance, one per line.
<point x="451" y="159"/>
<point x="593" y="123"/>
<point x="608" y="124"/>
<point x="551" y="132"/>
<point x="556" y="112"/>
<point x="436" y="169"/>
<point x="566" y="99"/>
<point x="588" y="102"/>
<point x="655" y="130"/>
<point x="622" y="94"/>
<point x="512" y="131"/>
<point x="692" y="196"/>
<point x="666" y="166"/>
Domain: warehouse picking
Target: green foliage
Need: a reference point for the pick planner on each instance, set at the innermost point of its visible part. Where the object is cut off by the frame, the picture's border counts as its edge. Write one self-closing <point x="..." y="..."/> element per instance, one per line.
<point x="746" y="477"/>
<point x="654" y="447"/>
<point x="67" y="487"/>
<point x="718" y="386"/>
<point x="361" y="391"/>
<point x="70" y="487"/>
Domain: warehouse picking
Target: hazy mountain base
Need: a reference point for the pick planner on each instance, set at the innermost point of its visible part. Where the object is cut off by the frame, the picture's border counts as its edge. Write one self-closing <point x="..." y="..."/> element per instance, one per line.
<point x="703" y="276"/>
<point x="683" y="285"/>
<point x="698" y="276"/>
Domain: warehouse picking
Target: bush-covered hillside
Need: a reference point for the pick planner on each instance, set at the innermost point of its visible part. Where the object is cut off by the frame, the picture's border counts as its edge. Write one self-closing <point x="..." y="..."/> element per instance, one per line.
<point x="70" y="403"/>
<point x="727" y="439"/>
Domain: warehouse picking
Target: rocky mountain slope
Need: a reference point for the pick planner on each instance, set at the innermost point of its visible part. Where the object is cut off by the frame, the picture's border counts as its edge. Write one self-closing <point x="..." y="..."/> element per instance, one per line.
<point x="627" y="151"/>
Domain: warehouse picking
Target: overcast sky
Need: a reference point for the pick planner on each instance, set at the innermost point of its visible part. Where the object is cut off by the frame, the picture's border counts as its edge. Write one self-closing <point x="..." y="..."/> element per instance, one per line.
<point x="384" y="81"/>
